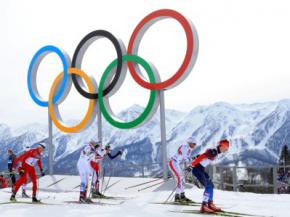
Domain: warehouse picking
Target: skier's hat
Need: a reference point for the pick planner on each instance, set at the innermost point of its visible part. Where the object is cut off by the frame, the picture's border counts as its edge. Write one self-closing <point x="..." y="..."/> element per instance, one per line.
<point x="224" y="143"/>
<point x="191" y="140"/>
<point x="96" y="144"/>
<point x="42" y="145"/>
<point x="108" y="147"/>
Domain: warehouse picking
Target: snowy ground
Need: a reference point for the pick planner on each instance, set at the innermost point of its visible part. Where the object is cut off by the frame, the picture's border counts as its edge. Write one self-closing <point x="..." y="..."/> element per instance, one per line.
<point x="138" y="204"/>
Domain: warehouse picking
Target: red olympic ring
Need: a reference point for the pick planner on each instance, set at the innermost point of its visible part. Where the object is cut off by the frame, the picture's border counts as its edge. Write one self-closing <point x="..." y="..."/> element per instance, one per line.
<point x="187" y="62"/>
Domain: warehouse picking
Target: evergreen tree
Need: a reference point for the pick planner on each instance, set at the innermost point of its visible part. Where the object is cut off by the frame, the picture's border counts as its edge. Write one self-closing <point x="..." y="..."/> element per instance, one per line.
<point x="285" y="156"/>
<point x="284" y="161"/>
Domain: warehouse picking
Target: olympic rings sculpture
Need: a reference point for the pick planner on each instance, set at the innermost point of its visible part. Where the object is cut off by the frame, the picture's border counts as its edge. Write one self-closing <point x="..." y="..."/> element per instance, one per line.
<point x="113" y="76"/>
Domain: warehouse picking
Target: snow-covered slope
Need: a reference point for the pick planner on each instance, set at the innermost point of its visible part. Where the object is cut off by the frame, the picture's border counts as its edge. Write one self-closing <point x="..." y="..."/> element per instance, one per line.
<point x="257" y="132"/>
<point x="141" y="204"/>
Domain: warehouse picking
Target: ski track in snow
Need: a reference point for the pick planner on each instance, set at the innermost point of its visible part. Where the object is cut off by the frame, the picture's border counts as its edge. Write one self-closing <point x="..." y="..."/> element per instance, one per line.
<point x="139" y="204"/>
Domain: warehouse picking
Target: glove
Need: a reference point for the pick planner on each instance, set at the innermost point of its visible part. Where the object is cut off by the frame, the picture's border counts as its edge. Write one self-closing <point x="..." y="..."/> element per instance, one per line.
<point x="188" y="169"/>
<point x="42" y="173"/>
<point x="212" y="153"/>
<point x="21" y="172"/>
<point x="120" y="153"/>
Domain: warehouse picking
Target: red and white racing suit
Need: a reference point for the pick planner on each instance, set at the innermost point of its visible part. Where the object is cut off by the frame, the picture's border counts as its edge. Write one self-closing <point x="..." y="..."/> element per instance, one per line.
<point x="28" y="161"/>
<point x="95" y="164"/>
<point x="182" y="156"/>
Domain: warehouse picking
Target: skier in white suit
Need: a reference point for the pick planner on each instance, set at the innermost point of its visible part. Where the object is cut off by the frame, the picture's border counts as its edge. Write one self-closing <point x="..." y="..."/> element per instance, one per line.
<point x="182" y="156"/>
<point x="85" y="170"/>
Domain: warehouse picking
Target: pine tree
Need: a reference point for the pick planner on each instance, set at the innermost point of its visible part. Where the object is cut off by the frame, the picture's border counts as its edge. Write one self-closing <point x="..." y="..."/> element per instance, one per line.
<point x="284" y="158"/>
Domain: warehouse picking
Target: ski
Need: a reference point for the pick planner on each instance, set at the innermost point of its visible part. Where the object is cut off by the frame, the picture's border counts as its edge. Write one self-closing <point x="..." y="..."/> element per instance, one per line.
<point x="212" y="214"/>
<point x="112" y="198"/>
<point x="179" y="203"/>
<point x="91" y="203"/>
<point x="222" y="213"/>
<point x="26" y="202"/>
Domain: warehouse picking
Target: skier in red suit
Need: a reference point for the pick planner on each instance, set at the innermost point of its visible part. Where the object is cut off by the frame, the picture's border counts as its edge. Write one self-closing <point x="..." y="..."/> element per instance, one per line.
<point x="198" y="170"/>
<point x="3" y="183"/>
<point x="28" y="161"/>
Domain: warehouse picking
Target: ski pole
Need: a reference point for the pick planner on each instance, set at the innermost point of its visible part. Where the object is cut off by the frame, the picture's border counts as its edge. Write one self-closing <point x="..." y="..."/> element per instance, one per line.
<point x="151" y="186"/>
<point x="76" y="187"/>
<point x="111" y="173"/>
<point x="144" y="183"/>
<point x="170" y="195"/>
<point x="54" y="183"/>
<point x="103" y="179"/>
<point x="113" y="184"/>
<point x="174" y="189"/>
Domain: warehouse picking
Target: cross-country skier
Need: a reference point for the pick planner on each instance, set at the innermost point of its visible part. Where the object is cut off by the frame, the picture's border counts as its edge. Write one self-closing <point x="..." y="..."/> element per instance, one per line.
<point x="198" y="170"/>
<point x="28" y="161"/>
<point x="100" y="154"/>
<point x="11" y="158"/>
<point x="88" y="153"/>
<point x="176" y="162"/>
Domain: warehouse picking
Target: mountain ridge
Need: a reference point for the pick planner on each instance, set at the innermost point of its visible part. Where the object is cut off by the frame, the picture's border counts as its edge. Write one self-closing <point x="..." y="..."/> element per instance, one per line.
<point x="257" y="132"/>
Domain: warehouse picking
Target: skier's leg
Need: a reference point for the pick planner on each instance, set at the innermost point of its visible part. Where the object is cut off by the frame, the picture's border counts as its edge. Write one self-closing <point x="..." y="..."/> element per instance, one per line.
<point x="88" y="172"/>
<point x="13" y="179"/>
<point x="33" y="178"/>
<point x="24" y="195"/>
<point x="174" y="171"/>
<point x="210" y="190"/>
<point x="183" y="198"/>
<point x="19" y="182"/>
<point x="97" y="182"/>
<point x="84" y="180"/>
<point x="201" y="176"/>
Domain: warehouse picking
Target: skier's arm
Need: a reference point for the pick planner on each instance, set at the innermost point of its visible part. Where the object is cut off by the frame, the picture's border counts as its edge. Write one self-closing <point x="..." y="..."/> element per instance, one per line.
<point x="39" y="163"/>
<point x="114" y="156"/>
<point x="210" y="154"/>
<point x="198" y="159"/>
<point x="20" y="159"/>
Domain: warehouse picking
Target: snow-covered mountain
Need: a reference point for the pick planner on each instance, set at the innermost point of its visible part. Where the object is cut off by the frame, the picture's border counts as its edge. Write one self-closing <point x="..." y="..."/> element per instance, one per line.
<point x="257" y="132"/>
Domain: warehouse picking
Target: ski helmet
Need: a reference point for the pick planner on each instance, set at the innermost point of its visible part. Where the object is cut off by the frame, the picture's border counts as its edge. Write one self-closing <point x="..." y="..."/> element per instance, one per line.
<point x="108" y="147"/>
<point x="42" y="145"/>
<point x="95" y="144"/>
<point x="191" y="140"/>
<point x="224" y="143"/>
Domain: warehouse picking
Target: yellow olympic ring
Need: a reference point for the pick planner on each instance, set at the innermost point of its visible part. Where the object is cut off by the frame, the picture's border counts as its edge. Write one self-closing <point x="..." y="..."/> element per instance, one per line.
<point x="53" y="108"/>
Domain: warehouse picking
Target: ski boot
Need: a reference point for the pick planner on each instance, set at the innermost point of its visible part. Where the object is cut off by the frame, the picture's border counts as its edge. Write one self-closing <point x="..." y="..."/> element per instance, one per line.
<point x="89" y="200"/>
<point x="12" y="198"/>
<point x="24" y="195"/>
<point x="206" y="209"/>
<point x="177" y="198"/>
<point x="97" y="194"/>
<point x="35" y="200"/>
<point x="83" y="197"/>
<point x="183" y="198"/>
<point x="213" y="207"/>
